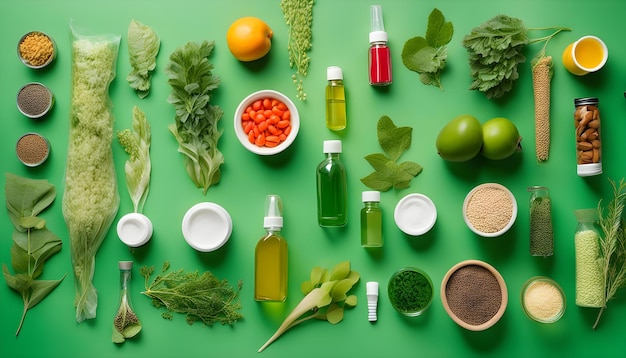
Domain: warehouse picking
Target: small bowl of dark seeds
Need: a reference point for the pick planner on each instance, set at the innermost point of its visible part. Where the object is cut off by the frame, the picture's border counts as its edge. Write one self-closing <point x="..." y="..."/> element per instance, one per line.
<point x="34" y="100"/>
<point x="32" y="149"/>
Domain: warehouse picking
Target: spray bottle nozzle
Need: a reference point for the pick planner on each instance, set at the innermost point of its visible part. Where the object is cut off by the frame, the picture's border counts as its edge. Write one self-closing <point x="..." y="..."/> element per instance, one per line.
<point x="377" y="18"/>
<point x="273" y="212"/>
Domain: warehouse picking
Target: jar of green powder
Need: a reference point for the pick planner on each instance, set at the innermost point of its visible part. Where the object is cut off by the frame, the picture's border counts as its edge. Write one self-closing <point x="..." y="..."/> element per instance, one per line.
<point x="410" y="291"/>
<point x="541" y="233"/>
<point x="589" y="277"/>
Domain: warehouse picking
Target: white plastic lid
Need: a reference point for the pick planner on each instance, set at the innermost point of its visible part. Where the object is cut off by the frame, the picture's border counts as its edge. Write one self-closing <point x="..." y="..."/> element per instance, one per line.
<point x="134" y="229"/>
<point x="332" y="146"/>
<point x="585" y="170"/>
<point x="372" y="288"/>
<point x="334" y="73"/>
<point x="415" y="214"/>
<point x="370" y="196"/>
<point x="125" y="265"/>
<point x="207" y="226"/>
<point x="378" y="36"/>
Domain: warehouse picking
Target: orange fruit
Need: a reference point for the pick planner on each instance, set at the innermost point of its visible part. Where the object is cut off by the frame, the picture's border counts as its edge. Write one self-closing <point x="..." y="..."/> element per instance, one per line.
<point x="249" y="38"/>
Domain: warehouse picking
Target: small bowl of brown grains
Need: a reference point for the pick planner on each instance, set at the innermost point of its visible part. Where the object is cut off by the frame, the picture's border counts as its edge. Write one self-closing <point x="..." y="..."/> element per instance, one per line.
<point x="36" y="49"/>
<point x="32" y="149"/>
<point x="474" y="295"/>
<point x="34" y="100"/>
<point x="490" y="209"/>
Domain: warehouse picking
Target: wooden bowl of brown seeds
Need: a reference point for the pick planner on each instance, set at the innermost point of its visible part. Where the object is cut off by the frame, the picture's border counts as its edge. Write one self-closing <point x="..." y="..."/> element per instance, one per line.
<point x="474" y="295"/>
<point x="490" y="209"/>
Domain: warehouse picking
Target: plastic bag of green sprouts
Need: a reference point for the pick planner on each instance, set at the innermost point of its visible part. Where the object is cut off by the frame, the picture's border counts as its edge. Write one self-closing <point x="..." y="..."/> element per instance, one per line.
<point x="91" y="199"/>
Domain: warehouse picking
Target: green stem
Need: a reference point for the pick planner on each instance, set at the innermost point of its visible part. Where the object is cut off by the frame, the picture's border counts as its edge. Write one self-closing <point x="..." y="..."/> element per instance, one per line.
<point x="598" y="318"/>
<point x="547" y="38"/>
<point x="19" y="328"/>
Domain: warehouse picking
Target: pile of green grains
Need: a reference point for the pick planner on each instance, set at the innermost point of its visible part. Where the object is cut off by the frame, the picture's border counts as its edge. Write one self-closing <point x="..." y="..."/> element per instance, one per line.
<point x="32" y="149"/>
<point x="589" y="277"/>
<point x="541" y="234"/>
<point x="410" y="291"/>
<point x="473" y="294"/>
<point x="34" y="99"/>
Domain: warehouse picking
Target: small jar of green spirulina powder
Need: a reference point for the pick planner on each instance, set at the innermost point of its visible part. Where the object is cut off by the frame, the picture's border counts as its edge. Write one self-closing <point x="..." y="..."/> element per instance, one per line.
<point x="410" y="291"/>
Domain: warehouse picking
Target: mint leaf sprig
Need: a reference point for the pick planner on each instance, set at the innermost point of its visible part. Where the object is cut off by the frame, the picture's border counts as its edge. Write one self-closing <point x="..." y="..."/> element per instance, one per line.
<point x="387" y="171"/>
<point x="427" y="55"/>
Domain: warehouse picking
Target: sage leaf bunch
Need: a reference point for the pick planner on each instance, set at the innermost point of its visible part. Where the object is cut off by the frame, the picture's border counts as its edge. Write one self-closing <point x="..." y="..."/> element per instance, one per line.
<point x="33" y="243"/>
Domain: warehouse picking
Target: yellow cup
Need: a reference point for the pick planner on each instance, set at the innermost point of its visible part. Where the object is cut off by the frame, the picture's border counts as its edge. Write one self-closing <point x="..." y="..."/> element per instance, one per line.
<point x="586" y="55"/>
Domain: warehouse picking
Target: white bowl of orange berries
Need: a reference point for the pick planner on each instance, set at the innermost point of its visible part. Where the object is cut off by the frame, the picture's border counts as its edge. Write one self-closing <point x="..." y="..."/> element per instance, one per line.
<point x="266" y="122"/>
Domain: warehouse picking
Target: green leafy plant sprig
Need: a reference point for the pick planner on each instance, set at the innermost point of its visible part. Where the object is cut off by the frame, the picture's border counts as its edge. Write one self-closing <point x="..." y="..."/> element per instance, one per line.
<point x="388" y="172"/>
<point x="326" y="296"/>
<point x="427" y="55"/>
<point x="33" y="243"/>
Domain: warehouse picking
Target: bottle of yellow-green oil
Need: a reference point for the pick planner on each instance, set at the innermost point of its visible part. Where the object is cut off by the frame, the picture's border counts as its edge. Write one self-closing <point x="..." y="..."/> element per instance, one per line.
<point x="335" y="99"/>
<point x="270" y="257"/>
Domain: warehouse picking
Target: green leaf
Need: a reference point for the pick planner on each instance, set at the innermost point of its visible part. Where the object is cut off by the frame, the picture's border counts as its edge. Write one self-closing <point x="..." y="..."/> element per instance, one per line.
<point x="340" y="271"/>
<point x="117" y="337"/>
<point x="27" y="197"/>
<point x="316" y="275"/>
<point x="351" y="301"/>
<point x="334" y="314"/>
<point x="377" y="181"/>
<point x="410" y="168"/>
<point x="392" y="139"/>
<point x="378" y="161"/>
<point x="410" y="50"/>
<point x="340" y="290"/>
<point x="306" y="287"/>
<point x="41" y="289"/>
<point x="439" y="32"/>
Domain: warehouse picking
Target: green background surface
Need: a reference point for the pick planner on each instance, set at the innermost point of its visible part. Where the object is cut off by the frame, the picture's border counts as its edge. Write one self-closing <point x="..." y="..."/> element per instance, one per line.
<point x="340" y="30"/>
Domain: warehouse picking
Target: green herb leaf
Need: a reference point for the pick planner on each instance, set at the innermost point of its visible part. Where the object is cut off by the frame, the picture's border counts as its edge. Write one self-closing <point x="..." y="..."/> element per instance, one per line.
<point x="334" y="314"/>
<point x="427" y="55"/>
<point x="388" y="173"/>
<point x="439" y="31"/>
<point x="392" y="139"/>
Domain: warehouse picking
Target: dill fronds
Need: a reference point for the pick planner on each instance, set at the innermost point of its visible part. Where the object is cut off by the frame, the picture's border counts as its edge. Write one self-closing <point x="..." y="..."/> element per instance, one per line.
<point x="298" y="16"/>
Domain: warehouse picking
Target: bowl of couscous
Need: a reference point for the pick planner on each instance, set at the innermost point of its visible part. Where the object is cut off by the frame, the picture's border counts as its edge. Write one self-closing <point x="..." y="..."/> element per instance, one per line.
<point x="36" y="49"/>
<point x="490" y="209"/>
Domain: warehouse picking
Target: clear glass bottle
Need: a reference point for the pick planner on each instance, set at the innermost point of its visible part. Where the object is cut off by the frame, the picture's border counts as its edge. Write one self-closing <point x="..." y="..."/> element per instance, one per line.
<point x="589" y="277"/>
<point x="270" y="256"/>
<point x="541" y="232"/>
<point x="379" y="56"/>
<point x="332" y="191"/>
<point x="335" y="99"/>
<point x="126" y="324"/>
<point x="371" y="220"/>
<point x="588" y="140"/>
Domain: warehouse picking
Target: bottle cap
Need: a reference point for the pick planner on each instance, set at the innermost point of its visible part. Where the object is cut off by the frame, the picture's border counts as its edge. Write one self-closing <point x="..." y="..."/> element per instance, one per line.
<point x="586" y="170"/>
<point x="370" y="196"/>
<point x="377" y="33"/>
<point x="332" y="146"/>
<point x="273" y="212"/>
<point x="334" y="73"/>
<point x="371" y="288"/>
<point x="125" y="265"/>
<point x="134" y="229"/>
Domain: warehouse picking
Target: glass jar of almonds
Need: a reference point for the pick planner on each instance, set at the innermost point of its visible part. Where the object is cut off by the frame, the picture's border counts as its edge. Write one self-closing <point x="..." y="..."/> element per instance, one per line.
<point x="588" y="140"/>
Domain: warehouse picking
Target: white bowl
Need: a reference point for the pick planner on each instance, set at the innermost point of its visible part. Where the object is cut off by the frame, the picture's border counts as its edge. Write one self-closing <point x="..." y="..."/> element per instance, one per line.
<point x="134" y="229"/>
<point x="243" y="137"/>
<point x="415" y="214"/>
<point x="207" y="226"/>
<point x="490" y="216"/>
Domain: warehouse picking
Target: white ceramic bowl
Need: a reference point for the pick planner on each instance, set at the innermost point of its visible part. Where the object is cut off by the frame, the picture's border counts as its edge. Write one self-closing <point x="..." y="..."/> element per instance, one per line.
<point x="207" y="226"/>
<point x="415" y="214"/>
<point x="134" y="229"/>
<point x="490" y="217"/>
<point x="243" y="137"/>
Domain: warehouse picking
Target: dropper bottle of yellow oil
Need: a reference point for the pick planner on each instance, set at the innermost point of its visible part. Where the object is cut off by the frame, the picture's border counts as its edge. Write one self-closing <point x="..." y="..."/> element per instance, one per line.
<point x="270" y="257"/>
<point x="335" y="99"/>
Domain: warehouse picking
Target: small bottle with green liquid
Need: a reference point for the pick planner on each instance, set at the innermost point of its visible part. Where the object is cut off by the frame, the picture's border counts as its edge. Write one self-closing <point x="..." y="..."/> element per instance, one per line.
<point x="270" y="257"/>
<point x="335" y="99"/>
<point x="371" y="220"/>
<point x="332" y="190"/>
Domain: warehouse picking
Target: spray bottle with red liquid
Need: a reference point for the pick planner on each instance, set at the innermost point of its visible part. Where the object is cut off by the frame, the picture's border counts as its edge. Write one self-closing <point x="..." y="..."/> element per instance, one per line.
<point x="379" y="54"/>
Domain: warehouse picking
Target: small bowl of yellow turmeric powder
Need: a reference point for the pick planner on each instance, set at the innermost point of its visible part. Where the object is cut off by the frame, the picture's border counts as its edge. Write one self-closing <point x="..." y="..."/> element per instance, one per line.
<point x="36" y="49"/>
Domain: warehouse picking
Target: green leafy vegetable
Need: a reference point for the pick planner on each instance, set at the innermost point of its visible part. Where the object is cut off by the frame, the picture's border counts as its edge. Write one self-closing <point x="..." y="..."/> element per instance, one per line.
<point x="196" y="120"/>
<point x="90" y="199"/>
<point x="427" y="55"/>
<point x="613" y="244"/>
<point x="200" y="297"/>
<point x="387" y="172"/>
<point x="298" y="16"/>
<point x="138" y="166"/>
<point x="143" y="47"/>
<point x="495" y="50"/>
<point x="326" y="296"/>
<point x="33" y="243"/>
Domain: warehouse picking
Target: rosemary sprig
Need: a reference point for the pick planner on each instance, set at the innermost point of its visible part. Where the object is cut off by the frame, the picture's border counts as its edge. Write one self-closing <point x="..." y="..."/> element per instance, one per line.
<point x="613" y="244"/>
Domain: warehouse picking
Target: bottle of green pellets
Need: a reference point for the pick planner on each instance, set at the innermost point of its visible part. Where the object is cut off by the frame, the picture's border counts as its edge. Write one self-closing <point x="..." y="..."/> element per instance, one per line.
<point x="541" y="233"/>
